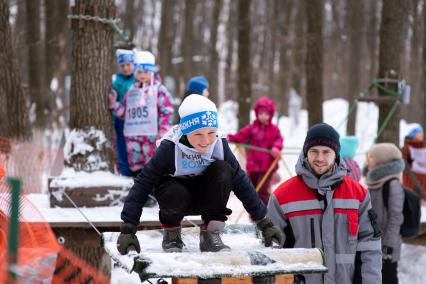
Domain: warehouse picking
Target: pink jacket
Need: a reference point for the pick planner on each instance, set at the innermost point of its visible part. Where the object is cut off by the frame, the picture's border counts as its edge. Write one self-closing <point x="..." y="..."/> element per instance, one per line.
<point x="258" y="135"/>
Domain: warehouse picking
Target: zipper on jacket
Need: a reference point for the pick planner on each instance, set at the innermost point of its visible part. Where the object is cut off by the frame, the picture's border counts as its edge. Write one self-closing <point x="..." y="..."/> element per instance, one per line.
<point x="312" y="233"/>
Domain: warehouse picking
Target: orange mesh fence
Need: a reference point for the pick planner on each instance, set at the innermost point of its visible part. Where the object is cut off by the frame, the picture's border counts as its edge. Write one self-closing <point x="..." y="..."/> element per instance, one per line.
<point x="40" y="258"/>
<point x="32" y="163"/>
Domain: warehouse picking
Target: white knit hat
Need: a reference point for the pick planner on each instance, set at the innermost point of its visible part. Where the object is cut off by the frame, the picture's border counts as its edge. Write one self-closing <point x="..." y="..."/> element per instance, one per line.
<point x="197" y="112"/>
<point x="145" y="60"/>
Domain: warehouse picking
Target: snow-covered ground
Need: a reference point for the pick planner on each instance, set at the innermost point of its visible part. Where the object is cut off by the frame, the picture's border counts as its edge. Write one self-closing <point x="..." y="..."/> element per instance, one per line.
<point x="413" y="260"/>
<point x="411" y="267"/>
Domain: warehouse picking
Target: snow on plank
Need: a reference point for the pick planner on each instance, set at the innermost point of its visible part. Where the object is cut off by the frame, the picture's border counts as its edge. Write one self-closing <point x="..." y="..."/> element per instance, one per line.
<point x="248" y="257"/>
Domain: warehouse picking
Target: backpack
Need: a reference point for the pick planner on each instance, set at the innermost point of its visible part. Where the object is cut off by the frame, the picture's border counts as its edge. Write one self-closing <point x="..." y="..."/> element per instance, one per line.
<point x="411" y="210"/>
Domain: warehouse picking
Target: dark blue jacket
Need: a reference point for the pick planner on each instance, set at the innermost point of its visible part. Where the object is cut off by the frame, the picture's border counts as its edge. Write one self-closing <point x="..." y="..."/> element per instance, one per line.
<point x="163" y="164"/>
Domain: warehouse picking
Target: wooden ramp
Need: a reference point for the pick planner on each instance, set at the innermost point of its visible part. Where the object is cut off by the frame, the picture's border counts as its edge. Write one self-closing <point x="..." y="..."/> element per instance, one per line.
<point x="248" y="259"/>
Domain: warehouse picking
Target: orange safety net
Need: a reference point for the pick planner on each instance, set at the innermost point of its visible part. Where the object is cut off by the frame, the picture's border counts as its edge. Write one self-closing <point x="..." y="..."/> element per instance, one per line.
<point x="32" y="163"/>
<point x="40" y="258"/>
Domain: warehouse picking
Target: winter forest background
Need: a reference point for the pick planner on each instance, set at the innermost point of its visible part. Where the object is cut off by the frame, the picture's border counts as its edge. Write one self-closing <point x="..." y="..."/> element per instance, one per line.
<point x="321" y="49"/>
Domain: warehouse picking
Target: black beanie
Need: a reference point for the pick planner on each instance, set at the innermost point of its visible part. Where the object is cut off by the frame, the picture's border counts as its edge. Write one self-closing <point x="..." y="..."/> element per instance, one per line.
<point x="324" y="135"/>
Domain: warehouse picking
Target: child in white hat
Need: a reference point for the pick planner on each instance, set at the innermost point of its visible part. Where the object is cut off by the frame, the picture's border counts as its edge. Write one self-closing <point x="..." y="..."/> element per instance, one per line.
<point x="192" y="173"/>
<point x="147" y="112"/>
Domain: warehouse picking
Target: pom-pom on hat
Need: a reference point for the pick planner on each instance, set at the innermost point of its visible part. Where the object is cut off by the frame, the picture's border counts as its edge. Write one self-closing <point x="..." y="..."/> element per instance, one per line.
<point x="197" y="85"/>
<point x="322" y="134"/>
<point x="145" y="61"/>
<point x="197" y="112"/>
<point x="413" y="131"/>
<point x="124" y="56"/>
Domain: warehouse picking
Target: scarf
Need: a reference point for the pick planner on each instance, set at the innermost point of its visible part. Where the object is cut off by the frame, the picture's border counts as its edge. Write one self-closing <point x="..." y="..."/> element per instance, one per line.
<point x="376" y="178"/>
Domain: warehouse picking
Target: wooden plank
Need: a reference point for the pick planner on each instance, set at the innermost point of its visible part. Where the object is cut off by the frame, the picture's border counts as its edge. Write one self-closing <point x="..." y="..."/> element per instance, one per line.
<point x="236" y="280"/>
<point x="184" y="281"/>
<point x="284" y="279"/>
<point x="87" y="197"/>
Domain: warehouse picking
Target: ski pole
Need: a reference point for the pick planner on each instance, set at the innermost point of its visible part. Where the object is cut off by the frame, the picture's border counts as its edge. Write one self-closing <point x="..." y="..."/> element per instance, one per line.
<point x="262" y="181"/>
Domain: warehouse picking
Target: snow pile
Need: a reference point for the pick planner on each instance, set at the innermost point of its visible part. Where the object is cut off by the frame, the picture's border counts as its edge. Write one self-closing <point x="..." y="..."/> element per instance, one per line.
<point x="241" y="260"/>
<point x="85" y="150"/>
<point x="74" y="179"/>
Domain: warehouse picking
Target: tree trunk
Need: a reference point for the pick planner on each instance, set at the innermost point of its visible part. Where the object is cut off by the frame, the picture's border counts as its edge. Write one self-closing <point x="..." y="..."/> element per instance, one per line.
<point x="244" y="66"/>
<point x="214" y="55"/>
<point x="13" y="100"/>
<point x="165" y="43"/>
<point x="129" y="19"/>
<point x="299" y="49"/>
<point x="423" y="122"/>
<point x="284" y="7"/>
<point x="314" y="60"/>
<point x="35" y="62"/>
<point x="62" y="44"/>
<point x="390" y="50"/>
<point x="92" y="55"/>
<point x="231" y="27"/>
<point x="355" y="15"/>
<point x="187" y="41"/>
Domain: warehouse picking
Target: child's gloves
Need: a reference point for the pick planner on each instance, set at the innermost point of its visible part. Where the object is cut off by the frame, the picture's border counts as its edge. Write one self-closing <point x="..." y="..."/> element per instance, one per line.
<point x="112" y="98"/>
<point x="270" y="232"/>
<point x="127" y="239"/>
<point x="275" y="152"/>
<point x="387" y="254"/>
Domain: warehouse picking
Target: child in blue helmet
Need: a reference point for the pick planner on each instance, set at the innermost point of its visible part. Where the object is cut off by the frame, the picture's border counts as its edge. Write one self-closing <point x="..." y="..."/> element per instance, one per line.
<point x="124" y="80"/>
<point x="197" y="85"/>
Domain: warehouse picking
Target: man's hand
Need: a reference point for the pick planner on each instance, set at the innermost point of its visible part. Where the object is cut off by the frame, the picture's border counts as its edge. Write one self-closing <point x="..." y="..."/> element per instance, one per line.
<point x="127" y="239"/>
<point x="270" y="232"/>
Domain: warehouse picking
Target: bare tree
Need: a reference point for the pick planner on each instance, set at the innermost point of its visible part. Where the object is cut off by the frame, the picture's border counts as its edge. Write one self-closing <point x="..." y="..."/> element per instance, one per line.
<point x="214" y="55"/>
<point x="13" y="100"/>
<point x="355" y="16"/>
<point x="314" y="60"/>
<point x="299" y="49"/>
<point x="92" y="54"/>
<point x="165" y="42"/>
<point x="423" y="121"/>
<point x="390" y="50"/>
<point x="35" y="62"/>
<point x="244" y="62"/>
<point x="187" y="41"/>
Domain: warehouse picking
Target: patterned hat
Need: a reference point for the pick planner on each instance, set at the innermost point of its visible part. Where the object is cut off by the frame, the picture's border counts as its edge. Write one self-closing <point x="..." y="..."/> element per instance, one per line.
<point x="145" y="61"/>
<point x="124" y="56"/>
<point x="197" y="112"/>
<point x="414" y="130"/>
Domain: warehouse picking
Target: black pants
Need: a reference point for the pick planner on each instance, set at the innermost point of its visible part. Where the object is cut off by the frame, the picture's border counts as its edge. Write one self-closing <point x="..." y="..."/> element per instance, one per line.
<point x="390" y="272"/>
<point x="206" y="194"/>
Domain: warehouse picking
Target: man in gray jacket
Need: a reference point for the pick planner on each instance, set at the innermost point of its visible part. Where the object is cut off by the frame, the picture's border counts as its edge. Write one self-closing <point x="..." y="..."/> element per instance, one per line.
<point x="324" y="208"/>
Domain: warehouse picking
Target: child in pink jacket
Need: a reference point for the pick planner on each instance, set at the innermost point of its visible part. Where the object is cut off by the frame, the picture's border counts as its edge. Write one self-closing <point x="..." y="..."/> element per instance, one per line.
<point x="147" y="112"/>
<point x="261" y="133"/>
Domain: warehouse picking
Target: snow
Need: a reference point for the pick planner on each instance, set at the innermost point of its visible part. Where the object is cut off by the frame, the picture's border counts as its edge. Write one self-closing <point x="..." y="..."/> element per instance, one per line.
<point x="99" y="214"/>
<point x="207" y="265"/>
<point x="71" y="179"/>
<point x="413" y="258"/>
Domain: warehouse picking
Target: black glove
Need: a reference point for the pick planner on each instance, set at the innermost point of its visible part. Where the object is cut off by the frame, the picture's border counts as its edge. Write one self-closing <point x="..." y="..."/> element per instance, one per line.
<point x="270" y="232"/>
<point x="387" y="254"/>
<point x="127" y="239"/>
